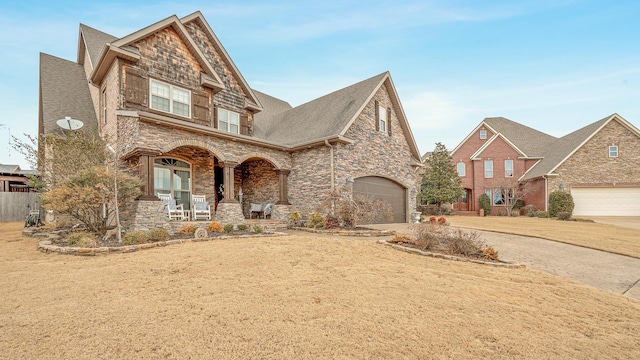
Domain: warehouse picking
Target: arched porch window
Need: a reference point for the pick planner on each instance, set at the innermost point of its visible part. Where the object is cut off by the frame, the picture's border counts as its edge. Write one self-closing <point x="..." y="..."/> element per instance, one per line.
<point x="173" y="176"/>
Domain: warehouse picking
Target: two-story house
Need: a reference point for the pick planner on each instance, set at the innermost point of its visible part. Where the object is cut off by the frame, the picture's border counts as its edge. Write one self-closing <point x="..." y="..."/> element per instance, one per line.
<point x="172" y="102"/>
<point x="597" y="164"/>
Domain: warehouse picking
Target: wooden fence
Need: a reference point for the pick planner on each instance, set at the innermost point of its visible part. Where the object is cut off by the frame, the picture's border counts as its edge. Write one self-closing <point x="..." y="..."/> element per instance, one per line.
<point x="15" y="206"/>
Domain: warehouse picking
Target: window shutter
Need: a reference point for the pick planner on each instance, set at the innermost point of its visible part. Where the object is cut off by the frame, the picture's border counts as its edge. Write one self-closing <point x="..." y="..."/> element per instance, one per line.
<point x="200" y="100"/>
<point x="244" y="125"/>
<point x="215" y="116"/>
<point x="136" y="88"/>
<point x="389" y="120"/>
<point x="377" y="116"/>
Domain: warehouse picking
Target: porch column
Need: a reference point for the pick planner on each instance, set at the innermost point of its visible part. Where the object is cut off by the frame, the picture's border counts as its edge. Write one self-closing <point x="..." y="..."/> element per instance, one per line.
<point x="146" y="160"/>
<point x="283" y="175"/>
<point x="229" y="179"/>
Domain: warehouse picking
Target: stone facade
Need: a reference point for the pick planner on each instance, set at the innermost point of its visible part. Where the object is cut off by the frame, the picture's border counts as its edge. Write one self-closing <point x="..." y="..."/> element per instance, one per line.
<point x="296" y="179"/>
<point x="591" y="165"/>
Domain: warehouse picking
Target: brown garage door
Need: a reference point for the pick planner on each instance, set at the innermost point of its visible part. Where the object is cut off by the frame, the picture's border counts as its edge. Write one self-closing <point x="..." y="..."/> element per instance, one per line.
<point x="384" y="189"/>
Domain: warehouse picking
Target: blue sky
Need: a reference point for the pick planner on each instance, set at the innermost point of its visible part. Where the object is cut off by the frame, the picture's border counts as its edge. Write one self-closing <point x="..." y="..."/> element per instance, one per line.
<point x="552" y="65"/>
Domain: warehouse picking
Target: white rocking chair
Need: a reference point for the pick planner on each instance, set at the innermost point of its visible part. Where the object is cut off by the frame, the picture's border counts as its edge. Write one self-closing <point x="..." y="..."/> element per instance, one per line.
<point x="201" y="208"/>
<point x="175" y="212"/>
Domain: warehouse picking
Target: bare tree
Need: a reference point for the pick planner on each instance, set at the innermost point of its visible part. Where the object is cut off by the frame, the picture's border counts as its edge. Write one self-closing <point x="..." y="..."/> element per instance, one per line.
<point x="509" y="192"/>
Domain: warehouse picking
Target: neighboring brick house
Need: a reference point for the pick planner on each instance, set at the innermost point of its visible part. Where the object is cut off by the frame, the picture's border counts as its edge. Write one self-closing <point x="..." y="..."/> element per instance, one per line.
<point x="597" y="164"/>
<point x="181" y="114"/>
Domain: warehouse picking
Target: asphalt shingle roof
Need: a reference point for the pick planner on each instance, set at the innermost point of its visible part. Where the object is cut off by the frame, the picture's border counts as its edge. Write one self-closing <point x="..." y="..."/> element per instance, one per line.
<point x="95" y="41"/>
<point x="320" y="118"/>
<point x="64" y="91"/>
<point x="562" y="147"/>
<point x="532" y="142"/>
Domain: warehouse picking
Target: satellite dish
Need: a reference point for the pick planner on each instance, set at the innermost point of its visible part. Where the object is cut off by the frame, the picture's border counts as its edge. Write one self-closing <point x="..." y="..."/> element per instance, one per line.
<point x="69" y="124"/>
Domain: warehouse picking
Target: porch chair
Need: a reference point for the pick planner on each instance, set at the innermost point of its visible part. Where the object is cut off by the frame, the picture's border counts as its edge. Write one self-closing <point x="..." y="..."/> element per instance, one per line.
<point x="255" y="208"/>
<point x="201" y="208"/>
<point x="175" y="212"/>
<point x="268" y="210"/>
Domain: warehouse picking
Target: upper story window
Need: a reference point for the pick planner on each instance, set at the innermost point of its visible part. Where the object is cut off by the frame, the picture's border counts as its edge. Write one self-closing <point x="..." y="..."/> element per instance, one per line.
<point x="461" y="169"/>
<point x="483" y="134"/>
<point x="228" y="121"/>
<point x="613" y="151"/>
<point x="488" y="168"/>
<point x="508" y="168"/>
<point x="169" y="98"/>
<point x="383" y="118"/>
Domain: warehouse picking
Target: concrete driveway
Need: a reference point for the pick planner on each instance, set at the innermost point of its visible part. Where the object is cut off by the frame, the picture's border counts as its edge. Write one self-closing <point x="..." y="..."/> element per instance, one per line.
<point x="612" y="272"/>
<point x="624" y="221"/>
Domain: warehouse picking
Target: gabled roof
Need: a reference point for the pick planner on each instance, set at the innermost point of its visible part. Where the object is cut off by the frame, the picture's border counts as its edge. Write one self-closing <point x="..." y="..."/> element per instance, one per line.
<point x="567" y="145"/>
<point x="499" y="135"/>
<point x="121" y="48"/>
<point x="9" y="169"/>
<point x="92" y="41"/>
<point x="330" y="115"/>
<point x="253" y="101"/>
<point x="64" y="91"/>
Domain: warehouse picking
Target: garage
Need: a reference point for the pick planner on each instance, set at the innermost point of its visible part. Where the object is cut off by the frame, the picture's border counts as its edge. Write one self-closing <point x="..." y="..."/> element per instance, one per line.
<point x="606" y="201"/>
<point x="386" y="190"/>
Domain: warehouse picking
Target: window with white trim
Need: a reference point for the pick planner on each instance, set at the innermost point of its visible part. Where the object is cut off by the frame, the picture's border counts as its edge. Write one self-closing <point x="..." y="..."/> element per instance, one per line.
<point x="483" y="134"/>
<point x="228" y="121"/>
<point x="104" y="106"/>
<point x="508" y="168"/>
<point x="488" y="168"/>
<point x="383" y="118"/>
<point x="461" y="169"/>
<point x="169" y="98"/>
<point x="613" y="151"/>
<point x="498" y="197"/>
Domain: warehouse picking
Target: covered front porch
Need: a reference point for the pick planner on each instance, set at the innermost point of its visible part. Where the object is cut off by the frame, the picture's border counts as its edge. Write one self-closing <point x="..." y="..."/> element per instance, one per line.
<point x="230" y="187"/>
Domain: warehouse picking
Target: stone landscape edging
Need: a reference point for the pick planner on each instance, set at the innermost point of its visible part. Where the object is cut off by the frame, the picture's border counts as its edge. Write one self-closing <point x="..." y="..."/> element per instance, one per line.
<point x="363" y="233"/>
<point x="47" y="247"/>
<point x="500" y="263"/>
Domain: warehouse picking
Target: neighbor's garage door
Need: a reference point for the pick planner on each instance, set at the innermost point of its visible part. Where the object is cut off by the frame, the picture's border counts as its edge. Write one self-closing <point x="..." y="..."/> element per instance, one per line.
<point x="610" y="201"/>
<point x="384" y="189"/>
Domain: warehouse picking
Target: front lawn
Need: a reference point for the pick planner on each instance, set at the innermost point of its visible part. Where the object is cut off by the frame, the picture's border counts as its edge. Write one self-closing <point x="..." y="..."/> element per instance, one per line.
<point x="605" y="237"/>
<point x="307" y="296"/>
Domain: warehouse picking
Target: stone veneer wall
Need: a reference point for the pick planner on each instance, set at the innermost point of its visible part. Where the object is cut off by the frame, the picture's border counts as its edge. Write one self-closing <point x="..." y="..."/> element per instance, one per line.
<point x="144" y="216"/>
<point x="310" y="179"/>
<point x="260" y="186"/>
<point x="592" y="166"/>
<point x="375" y="153"/>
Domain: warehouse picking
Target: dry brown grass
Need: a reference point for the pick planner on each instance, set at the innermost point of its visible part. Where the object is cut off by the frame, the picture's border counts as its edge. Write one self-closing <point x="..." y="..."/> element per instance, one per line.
<point x="302" y="296"/>
<point x="611" y="238"/>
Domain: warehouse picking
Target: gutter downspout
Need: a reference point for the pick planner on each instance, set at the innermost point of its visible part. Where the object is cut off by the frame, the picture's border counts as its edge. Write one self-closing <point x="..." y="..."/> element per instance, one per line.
<point x="546" y="192"/>
<point x="333" y="171"/>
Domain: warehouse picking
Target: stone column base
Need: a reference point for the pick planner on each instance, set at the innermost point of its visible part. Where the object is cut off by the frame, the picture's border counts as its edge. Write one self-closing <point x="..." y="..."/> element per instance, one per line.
<point x="281" y="212"/>
<point x="229" y="213"/>
<point x="144" y="216"/>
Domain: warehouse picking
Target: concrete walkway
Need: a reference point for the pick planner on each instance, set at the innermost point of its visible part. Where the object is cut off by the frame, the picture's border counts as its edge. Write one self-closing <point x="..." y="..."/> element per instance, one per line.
<point x="616" y="273"/>
<point x="632" y="222"/>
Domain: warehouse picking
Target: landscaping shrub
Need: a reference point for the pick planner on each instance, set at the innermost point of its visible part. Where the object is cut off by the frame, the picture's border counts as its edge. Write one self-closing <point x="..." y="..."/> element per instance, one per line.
<point x="485" y="204"/>
<point x="563" y="215"/>
<point x="242" y="227"/>
<point x="82" y="239"/>
<point x="331" y="222"/>
<point x="315" y="220"/>
<point x="560" y="201"/>
<point x="542" y="214"/>
<point x="227" y="228"/>
<point x="135" y="238"/>
<point x="214" y="227"/>
<point x="428" y="235"/>
<point x="529" y="210"/>
<point x="158" y="234"/>
<point x="188" y="229"/>
<point x="258" y="229"/>
<point x="490" y="253"/>
<point x="442" y="220"/>
<point x="433" y="219"/>
<point x="295" y="218"/>
<point x="465" y="243"/>
<point x="402" y="239"/>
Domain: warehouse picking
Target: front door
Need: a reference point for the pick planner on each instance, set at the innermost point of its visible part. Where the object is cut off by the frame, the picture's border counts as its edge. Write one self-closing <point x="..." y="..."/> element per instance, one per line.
<point x="463" y="201"/>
